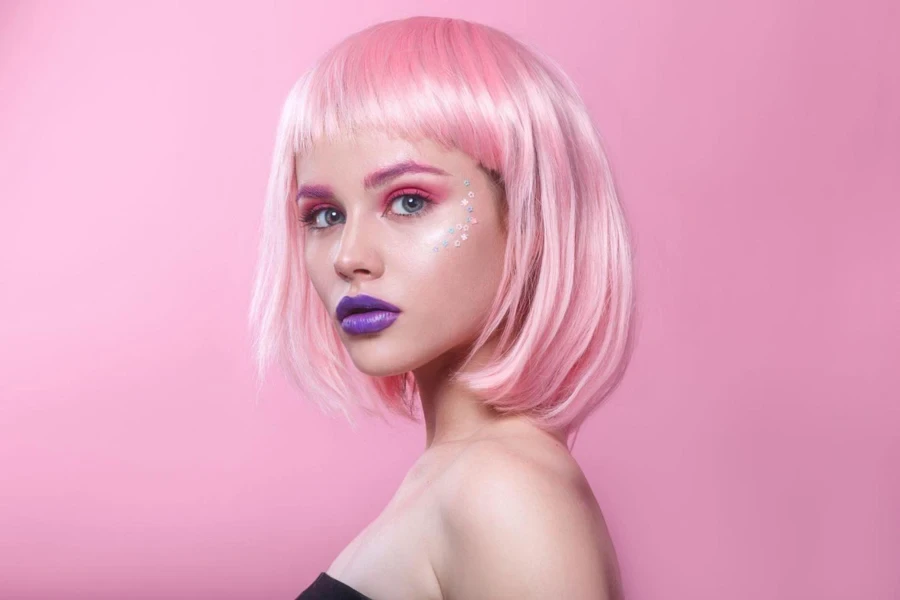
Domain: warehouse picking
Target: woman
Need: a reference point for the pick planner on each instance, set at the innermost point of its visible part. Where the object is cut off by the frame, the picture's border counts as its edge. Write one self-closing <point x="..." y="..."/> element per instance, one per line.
<point x="441" y="230"/>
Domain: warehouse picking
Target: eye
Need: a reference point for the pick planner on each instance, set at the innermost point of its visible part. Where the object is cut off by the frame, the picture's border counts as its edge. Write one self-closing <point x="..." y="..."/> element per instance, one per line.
<point x="405" y="204"/>
<point x="311" y="218"/>
<point x="415" y="203"/>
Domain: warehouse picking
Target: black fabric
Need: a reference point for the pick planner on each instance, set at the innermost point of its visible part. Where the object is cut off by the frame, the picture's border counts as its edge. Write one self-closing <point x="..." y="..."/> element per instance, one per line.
<point x="326" y="587"/>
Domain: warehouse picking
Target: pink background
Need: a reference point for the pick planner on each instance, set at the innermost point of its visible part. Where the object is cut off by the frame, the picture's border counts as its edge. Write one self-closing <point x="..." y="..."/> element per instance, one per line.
<point x="753" y="450"/>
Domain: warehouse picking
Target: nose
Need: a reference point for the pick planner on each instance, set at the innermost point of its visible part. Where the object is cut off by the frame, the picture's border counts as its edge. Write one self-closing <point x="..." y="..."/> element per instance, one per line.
<point x="357" y="256"/>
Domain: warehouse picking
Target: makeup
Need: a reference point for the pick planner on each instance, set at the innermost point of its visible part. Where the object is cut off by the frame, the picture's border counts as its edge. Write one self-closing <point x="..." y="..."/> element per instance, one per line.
<point x="461" y="229"/>
<point x="365" y="314"/>
<point x="368" y="322"/>
<point x="372" y="180"/>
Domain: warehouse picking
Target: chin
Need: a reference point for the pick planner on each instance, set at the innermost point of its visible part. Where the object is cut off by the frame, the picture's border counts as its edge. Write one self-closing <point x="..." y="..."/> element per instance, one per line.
<point x="373" y="358"/>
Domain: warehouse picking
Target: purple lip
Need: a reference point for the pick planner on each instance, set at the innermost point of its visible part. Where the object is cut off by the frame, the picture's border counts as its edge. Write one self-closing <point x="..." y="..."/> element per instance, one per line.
<point x="368" y="322"/>
<point x="362" y="303"/>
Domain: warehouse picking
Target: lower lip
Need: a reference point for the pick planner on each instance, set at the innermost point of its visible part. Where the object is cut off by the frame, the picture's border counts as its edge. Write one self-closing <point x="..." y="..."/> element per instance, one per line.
<point x="369" y="322"/>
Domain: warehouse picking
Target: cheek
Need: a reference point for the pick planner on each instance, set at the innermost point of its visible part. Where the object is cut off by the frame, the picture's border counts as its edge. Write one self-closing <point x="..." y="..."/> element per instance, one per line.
<point x="318" y="267"/>
<point x="453" y="297"/>
<point x="467" y="248"/>
<point x="457" y="229"/>
<point x="307" y="255"/>
<point x="462" y="280"/>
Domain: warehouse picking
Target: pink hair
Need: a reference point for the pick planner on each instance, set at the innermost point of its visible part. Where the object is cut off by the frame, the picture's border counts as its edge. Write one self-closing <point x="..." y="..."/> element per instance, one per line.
<point x="566" y="300"/>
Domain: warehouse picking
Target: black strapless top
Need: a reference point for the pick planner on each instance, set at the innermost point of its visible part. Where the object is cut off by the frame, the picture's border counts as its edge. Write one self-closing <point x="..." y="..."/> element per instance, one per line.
<point x="326" y="587"/>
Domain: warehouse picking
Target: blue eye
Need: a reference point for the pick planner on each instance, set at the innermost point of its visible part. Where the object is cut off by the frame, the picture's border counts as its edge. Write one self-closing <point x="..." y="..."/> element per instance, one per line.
<point x="311" y="220"/>
<point x="418" y="201"/>
<point x="416" y="204"/>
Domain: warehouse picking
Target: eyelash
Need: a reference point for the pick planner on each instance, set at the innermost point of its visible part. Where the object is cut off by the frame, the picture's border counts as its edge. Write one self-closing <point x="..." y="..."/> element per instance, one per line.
<point x="308" y="218"/>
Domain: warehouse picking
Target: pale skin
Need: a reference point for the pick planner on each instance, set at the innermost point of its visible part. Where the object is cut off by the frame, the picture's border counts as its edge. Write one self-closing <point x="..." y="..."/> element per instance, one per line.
<point x="494" y="507"/>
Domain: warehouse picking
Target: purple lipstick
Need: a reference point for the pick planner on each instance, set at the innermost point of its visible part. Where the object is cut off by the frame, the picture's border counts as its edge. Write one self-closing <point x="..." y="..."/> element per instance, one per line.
<point x="365" y="314"/>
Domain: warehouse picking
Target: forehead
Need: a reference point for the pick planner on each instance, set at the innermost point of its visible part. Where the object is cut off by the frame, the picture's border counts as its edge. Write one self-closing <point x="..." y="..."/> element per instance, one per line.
<point x="352" y="158"/>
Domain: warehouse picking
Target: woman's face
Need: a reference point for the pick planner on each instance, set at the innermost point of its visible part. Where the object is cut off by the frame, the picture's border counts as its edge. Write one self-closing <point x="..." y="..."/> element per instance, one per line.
<point x="396" y="220"/>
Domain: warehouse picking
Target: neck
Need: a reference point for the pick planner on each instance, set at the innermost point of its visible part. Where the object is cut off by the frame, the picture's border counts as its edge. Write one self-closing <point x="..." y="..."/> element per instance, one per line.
<point x="452" y="412"/>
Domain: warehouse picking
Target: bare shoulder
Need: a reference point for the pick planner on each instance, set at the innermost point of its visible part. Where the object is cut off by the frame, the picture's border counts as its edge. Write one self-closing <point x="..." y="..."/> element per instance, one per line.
<point x="520" y="521"/>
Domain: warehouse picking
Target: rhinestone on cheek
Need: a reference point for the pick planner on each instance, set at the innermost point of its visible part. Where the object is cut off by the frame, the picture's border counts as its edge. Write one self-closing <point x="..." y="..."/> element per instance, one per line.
<point x="460" y="227"/>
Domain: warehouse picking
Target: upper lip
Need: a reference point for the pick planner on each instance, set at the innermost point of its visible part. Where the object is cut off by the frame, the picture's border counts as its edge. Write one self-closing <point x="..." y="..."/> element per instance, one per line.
<point x="361" y="303"/>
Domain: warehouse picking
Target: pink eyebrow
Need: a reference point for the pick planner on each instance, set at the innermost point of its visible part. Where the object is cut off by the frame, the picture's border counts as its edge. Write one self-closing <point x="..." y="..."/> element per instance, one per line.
<point x="372" y="180"/>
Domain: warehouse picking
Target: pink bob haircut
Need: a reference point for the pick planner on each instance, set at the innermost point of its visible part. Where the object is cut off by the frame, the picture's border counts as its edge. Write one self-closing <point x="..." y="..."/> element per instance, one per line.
<point x="565" y="303"/>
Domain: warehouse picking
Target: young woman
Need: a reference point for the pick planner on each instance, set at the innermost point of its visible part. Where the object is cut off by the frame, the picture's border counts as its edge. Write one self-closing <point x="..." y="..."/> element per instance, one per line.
<point x="442" y="233"/>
